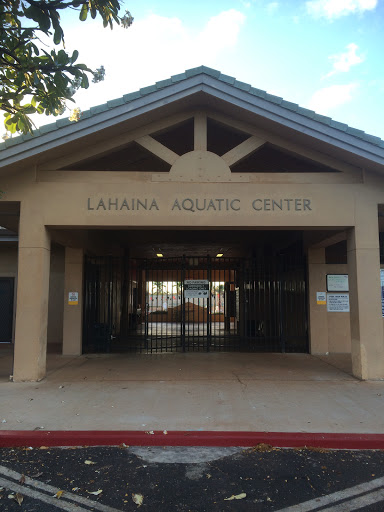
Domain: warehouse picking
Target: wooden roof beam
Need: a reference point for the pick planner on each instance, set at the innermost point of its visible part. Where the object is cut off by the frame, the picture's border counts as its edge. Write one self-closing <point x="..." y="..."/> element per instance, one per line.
<point x="158" y="149"/>
<point x="243" y="150"/>
<point x="200" y="132"/>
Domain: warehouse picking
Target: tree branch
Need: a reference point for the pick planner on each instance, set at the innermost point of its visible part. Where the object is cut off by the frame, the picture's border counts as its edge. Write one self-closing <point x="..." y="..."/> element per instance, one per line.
<point x="7" y="52"/>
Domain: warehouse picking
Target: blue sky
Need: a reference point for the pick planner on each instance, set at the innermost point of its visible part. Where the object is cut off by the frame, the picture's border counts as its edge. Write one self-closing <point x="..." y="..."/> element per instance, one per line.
<point x="326" y="55"/>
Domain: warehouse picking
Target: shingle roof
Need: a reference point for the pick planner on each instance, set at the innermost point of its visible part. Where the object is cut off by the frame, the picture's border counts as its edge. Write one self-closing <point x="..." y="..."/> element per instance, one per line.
<point x="127" y="98"/>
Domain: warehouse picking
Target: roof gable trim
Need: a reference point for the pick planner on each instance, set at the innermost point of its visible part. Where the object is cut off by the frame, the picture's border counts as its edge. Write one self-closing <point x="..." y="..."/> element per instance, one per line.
<point x="179" y="86"/>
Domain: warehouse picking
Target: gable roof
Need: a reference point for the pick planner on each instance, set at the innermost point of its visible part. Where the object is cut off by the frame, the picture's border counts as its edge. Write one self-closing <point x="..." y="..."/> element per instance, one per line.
<point x="192" y="81"/>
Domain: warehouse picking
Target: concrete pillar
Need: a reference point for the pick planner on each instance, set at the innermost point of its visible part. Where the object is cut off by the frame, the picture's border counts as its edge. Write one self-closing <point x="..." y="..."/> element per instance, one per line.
<point x="318" y="318"/>
<point x="32" y="299"/>
<point x="365" y="295"/>
<point x="73" y="314"/>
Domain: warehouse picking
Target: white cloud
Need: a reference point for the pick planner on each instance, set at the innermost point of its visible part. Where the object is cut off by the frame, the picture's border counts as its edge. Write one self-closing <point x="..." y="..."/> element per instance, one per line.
<point x="342" y="62"/>
<point x="272" y="7"/>
<point x="154" y="48"/>
<point x="332" y="9"/>
<point x="219" y="34"/>
<point x="327" y="99"/>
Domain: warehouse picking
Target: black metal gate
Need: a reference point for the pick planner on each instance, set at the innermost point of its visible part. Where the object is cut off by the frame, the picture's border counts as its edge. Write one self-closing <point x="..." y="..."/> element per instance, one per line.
<point x="6" y="309"/>
<point x="196" y="303"/>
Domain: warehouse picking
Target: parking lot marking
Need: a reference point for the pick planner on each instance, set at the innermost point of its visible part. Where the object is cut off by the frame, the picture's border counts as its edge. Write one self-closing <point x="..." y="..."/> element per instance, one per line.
<point x="32" y="493"/>
<point x="53" y="490"/>
<point x="358" y="503"/>
<point x="330" y="499"/>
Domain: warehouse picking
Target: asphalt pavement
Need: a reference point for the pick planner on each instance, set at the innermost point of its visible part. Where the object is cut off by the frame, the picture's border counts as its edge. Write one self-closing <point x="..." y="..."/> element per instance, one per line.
<point x="193" y="479"/>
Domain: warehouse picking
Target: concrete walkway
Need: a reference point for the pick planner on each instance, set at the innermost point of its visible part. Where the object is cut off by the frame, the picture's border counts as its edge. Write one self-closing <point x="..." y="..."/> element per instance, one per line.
<point x="194" y="391"/>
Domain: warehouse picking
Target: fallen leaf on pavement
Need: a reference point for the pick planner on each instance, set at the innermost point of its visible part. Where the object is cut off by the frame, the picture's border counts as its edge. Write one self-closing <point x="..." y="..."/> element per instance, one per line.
<point x="95" y="493"/>
<point x="36" y="475"/>
<point x="138" y="499"/>
<point x="89" y="462"/>
<point x="58" y="495"/>
<point x="19" y="498"/>
<point x="318" y="449"/>
<point x="22" y="480"/>
<point x="236" y="497"/>
<point x="262" y="447"/>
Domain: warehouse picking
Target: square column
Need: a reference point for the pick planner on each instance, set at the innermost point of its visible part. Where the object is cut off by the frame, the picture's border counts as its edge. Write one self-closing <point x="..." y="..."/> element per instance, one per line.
<point x="32" y="299"/>
<point x="365" y="295"/>
<point x="318" y="318"/>
<point x="73" y="313"/>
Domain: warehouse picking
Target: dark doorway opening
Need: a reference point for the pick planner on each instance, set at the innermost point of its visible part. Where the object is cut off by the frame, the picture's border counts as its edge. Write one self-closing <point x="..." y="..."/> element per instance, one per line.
<point x="197" y="303"/>
<point x="6" y="309"/>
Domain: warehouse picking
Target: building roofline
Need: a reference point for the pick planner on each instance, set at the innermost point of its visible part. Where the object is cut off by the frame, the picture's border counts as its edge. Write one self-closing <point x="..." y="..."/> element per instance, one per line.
<point x="192" y="81"/>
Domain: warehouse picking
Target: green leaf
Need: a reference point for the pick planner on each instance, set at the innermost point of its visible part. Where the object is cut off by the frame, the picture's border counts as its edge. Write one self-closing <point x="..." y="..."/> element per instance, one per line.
<point x="40" y="16"/>
<point x="12" y="127"/>
<point x="57" y="36"/>
<point x="75" y="56"/>
<point x="83" y="67"/>
<point x="29" y="109"/>
<point x="62" y="58"/>
<point x="21" y="125"/>
<point x="84" y="12"/>
<point x="36" y="80"/>
<point x="35" y="49"/>
<point x="85" y="82"/>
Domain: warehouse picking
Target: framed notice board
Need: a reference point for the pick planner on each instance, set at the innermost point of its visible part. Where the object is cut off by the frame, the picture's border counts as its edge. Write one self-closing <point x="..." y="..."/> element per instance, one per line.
<point x="337" y="283"/>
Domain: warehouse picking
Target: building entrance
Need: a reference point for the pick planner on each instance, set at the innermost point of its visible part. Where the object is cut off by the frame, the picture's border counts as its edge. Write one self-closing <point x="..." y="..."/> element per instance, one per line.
<point x="197" y="303"/>
<point x="6" y="309"/>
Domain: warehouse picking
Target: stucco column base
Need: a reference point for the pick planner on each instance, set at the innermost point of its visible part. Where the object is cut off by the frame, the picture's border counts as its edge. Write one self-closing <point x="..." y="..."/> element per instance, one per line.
<point x="32" y="314"/>
<point x="318" y="319"/>
<point x="365" y="305"/>
<point x="73" y="314"/>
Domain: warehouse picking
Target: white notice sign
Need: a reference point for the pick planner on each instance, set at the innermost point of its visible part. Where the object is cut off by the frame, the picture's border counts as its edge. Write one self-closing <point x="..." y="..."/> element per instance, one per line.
<point x="337" y="283"/>
<point x="73" y="298"/>
<point x="196" y="289"/>
<point x="338" y="302"/>
<point x="321" y="298"/>
<point x="382" y="291"/>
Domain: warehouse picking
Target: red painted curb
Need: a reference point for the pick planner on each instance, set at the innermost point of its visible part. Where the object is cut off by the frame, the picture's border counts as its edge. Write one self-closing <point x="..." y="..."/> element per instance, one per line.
<point x="14" y="438"/>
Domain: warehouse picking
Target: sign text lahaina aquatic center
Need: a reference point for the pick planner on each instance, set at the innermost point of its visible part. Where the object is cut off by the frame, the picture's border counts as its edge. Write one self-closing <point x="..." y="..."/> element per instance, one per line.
<point x="199" y="204"/>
